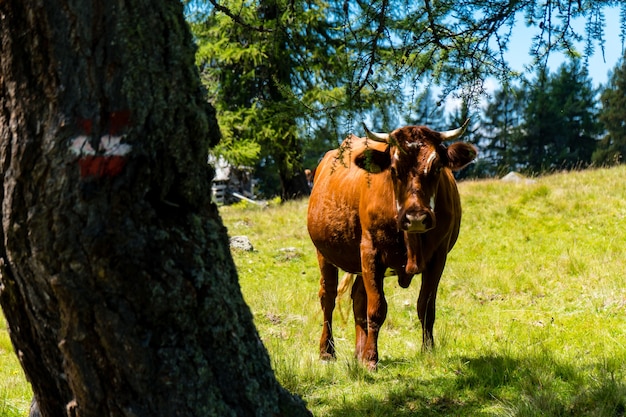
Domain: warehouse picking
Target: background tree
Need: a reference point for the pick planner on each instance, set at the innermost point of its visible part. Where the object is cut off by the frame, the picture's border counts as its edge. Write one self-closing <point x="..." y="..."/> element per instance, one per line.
<point x="501" y="128"/>
<point x="612" y="147"/>
<point x="531" y="148"/>
<point x="117" y="283"/>
<point x="427" y="111"/>
<point x="472" y="135"/>
<point x="560" y="128"/>
<point x="576" y="113"/>
<point x="252" y="60"/>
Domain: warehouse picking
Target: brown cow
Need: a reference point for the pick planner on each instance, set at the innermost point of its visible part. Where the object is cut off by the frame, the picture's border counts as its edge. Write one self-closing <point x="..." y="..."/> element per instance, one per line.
<point x="387" y="202"/>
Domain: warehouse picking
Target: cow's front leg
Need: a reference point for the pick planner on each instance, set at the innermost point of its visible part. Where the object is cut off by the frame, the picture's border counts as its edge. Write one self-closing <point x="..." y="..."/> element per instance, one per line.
<point x="359" y="308"/>
<point x="376" y="308"/>
<point x="428" y="297"/>
<point x="327" y="294"/>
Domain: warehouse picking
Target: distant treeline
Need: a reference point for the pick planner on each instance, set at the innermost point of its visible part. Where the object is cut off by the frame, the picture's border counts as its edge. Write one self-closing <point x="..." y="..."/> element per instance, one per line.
<point x="555" y="121"/>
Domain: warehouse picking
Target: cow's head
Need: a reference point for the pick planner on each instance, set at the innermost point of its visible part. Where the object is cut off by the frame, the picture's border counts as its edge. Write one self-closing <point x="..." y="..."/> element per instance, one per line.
<point x="416" y="157"/>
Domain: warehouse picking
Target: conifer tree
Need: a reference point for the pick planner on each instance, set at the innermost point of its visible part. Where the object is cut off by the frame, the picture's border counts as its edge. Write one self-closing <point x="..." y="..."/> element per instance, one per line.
<point x="560" y="128"/>
<point x="249" y="67"/>
<point x="612" y="148"/>
<point x="575" y="111"/>
<point x="502" y="120"/>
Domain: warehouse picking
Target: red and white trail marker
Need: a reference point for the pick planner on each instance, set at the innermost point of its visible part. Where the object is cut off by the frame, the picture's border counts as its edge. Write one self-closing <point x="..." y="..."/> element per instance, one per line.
<point x="110" y="158"/>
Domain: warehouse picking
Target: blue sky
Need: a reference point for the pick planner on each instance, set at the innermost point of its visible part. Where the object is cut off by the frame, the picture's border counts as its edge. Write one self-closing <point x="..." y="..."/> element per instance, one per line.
<point x="518" y="56"/>
<point x="521" y="41"/>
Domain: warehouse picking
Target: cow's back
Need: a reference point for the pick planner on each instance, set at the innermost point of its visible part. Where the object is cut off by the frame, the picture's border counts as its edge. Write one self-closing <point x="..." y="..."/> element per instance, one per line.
<point x="341" y="203"/>
<point x="346" y="199"/>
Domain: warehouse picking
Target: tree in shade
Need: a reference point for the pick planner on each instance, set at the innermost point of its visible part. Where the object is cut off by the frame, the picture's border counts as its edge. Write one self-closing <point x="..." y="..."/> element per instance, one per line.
<point x="117" y="283"/>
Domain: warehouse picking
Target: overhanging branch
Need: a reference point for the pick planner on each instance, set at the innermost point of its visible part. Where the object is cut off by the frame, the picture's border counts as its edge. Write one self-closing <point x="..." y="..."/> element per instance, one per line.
<point x="238" y="19"/>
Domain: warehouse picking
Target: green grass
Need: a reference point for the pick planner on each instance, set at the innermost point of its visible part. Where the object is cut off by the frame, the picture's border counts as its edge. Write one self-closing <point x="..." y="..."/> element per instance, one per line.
<point x="15" y="393"/>
<point x="531" y="313"/>
<point x="531" y="317"/>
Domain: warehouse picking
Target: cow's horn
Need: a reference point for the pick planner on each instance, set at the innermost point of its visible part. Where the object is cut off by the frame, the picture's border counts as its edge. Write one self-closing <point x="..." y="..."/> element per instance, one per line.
<point x="378" y="137"/>
<point x="455" y="133"/>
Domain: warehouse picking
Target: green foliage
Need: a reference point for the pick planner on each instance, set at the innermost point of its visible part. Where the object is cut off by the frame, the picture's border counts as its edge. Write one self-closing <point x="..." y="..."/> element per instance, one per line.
<point x="502" y="128"/>
<point x="546" y="124"/>
<point x="612" y="147"/>
<point x="237" y="145"/>
<point x="530" y="316"/>
<point x="248" y="67"/>
<point x="560" y="126"/>
<point x="307" y="73"/>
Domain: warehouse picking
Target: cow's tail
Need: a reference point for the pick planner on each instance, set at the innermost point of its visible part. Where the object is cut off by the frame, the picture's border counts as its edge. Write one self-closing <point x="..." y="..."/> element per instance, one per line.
<point x="342" y="290"/>
<point x="345" y="284"/>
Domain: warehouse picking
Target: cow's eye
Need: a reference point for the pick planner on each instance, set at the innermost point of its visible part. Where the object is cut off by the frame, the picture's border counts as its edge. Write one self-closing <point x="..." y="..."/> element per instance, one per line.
<point x="438" y="170"/>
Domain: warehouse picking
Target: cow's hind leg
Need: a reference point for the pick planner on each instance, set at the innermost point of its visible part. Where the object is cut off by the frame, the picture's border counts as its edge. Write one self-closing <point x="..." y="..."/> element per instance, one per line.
<point x="428" y="297"/>
<point x="327" y="294"/>
<point x="372" y="275"/>
<point x="376" y="314"/>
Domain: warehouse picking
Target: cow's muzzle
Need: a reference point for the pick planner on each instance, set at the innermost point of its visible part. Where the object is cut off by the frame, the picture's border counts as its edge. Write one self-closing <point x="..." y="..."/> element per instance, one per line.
<point x="419" y="222"/>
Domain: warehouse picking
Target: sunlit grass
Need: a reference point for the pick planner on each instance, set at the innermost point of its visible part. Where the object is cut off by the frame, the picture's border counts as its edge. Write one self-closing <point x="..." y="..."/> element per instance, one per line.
<point x="15" y="393"/>
<point x="531" y="312"/>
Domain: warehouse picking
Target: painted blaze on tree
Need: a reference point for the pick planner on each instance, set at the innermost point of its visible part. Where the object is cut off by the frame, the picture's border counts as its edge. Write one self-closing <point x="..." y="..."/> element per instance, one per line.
<point x="392" y="203"/>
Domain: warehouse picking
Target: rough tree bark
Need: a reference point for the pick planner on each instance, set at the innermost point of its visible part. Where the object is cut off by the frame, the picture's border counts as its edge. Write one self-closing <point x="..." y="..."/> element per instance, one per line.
<point x="117" y="283"/>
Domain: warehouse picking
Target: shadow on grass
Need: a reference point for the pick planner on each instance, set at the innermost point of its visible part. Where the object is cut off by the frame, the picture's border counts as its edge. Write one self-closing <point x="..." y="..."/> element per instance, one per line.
<point x="495" y="385"/>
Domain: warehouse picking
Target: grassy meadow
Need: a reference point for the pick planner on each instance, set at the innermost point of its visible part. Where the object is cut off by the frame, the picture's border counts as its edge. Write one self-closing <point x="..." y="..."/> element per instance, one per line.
<point x="15" y="393"/>
<point x="531" y="317"/>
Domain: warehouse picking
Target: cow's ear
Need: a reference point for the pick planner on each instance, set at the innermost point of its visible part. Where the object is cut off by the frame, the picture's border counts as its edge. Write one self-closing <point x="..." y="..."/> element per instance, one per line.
<point x="373" y="161"/>
<point x="461" y="154"/>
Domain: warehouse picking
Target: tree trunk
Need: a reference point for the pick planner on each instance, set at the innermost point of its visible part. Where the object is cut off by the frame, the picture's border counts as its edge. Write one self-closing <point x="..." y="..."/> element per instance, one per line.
<point x="117" y="283"/>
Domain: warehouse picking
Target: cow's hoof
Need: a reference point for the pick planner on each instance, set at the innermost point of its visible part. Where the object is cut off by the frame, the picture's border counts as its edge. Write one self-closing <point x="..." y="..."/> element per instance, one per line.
<point x="404" y="280"/>
<point x="325" y="356"/>
<point x="372" y="366"/>
<point x="369" y="364"/>
<point x="428" y="346"/>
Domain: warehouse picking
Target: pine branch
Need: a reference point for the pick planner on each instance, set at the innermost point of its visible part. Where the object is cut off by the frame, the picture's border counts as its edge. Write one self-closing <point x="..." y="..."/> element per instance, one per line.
<point x="237" y="19"/>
